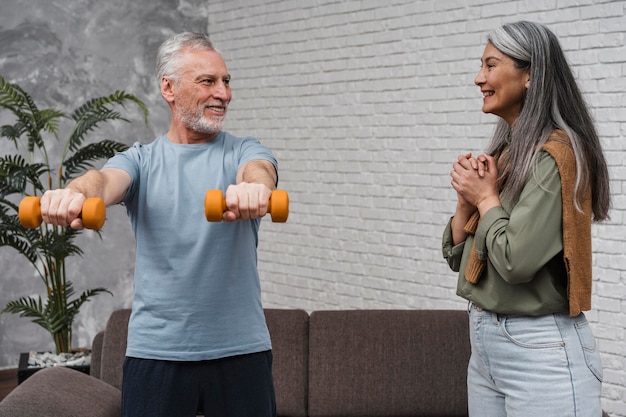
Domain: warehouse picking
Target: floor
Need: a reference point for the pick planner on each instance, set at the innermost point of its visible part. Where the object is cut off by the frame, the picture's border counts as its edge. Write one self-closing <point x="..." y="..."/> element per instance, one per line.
<point x="8" y="381"/>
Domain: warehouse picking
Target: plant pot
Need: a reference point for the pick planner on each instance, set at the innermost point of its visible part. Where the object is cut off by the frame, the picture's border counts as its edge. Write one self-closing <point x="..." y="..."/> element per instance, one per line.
<point x="24" y="370"/>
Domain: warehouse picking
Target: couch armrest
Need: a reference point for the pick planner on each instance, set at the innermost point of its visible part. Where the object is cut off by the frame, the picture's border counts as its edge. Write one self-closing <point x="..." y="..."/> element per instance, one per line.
<point x="96" y="355"/>
<point x="63" y="392"/>
<point x="114" y="347"/>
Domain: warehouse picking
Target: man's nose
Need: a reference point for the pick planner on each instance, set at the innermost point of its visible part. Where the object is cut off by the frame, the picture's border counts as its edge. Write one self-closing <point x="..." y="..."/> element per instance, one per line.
<point x="221" y="91"/>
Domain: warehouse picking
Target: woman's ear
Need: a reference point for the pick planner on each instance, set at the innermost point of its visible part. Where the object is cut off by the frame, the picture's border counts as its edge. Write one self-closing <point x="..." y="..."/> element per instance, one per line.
<point x="527" y="79"/>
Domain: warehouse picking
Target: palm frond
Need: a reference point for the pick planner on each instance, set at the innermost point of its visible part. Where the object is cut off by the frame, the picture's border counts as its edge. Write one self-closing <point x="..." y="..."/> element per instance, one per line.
<point x="30" y="119"/>
<point x="50" y="119"/>
<point x="60" y="245"/>
<point x="97" y="110"/>
<point x="29" y="307"/>
<point x="6" y="207"/>
<point x="49" y="316"/>
<point x="11" y="95"/>
<point x="12" y="132"/>
<point x="14" y="235"/>
<point x="23" y="246"/>
<point x="74" y="306"/>
<point x="55" y="312"/>
<point x="18" y="102"/>
<point x="84" y="157"/>
<point x="70" y="308"/>
<point x="16" y="174"/>
<point x="37" y="121"/>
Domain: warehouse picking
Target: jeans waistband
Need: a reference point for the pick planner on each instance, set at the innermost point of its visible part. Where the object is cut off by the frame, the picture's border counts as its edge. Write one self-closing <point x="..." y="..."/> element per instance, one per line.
<point x="471" y="305"/>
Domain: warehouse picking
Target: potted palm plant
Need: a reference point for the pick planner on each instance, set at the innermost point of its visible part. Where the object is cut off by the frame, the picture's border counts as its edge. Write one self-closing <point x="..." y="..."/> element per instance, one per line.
<point x="31" y="171"/>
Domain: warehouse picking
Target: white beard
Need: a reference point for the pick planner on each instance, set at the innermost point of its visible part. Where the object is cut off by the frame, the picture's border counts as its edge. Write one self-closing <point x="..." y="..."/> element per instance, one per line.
<point x="195" y="120"/>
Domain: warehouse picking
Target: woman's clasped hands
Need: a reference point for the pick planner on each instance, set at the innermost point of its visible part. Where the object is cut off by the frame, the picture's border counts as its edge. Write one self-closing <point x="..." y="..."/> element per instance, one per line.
<point x="474" y="180"/>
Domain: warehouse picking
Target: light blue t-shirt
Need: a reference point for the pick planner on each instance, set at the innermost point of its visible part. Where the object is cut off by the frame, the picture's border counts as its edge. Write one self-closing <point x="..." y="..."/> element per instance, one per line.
<point x="197" y="294"/>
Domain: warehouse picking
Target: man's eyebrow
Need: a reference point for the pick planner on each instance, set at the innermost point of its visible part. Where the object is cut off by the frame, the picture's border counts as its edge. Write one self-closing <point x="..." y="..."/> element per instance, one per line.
<point x="207" y="75"/>
<point x="201" y="77"/>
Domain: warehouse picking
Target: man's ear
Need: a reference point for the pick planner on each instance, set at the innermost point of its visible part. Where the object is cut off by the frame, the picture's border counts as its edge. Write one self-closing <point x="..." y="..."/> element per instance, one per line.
<point x="167" y="89"/>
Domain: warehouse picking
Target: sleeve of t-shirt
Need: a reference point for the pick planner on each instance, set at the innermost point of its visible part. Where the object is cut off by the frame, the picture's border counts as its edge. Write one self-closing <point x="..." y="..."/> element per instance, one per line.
<point x="250" y="149"/>
<point x="127" y="161"/>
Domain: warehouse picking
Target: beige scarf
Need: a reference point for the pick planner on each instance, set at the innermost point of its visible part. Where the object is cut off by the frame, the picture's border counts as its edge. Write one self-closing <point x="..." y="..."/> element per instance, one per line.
<point x="475" y="265"/>
<point x="576" y="230"/>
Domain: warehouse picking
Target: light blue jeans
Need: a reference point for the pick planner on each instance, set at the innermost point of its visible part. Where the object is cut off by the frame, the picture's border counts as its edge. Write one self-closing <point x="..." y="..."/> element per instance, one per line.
<point x="523" y="366"/>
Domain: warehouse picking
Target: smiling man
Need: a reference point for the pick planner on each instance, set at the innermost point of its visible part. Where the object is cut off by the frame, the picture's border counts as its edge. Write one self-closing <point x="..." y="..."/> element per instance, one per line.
<point x="197" y="337"/>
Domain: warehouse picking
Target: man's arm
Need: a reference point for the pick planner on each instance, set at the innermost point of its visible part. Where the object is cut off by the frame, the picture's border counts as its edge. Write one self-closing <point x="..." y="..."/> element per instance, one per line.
<point x="249" y="198"/>
<point x="62" y="207"/>
<point x="258" y="171"/>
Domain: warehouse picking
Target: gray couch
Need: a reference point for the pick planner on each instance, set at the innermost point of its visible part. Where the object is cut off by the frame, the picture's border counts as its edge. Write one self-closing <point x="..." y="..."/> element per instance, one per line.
<point x="350" y="363"/>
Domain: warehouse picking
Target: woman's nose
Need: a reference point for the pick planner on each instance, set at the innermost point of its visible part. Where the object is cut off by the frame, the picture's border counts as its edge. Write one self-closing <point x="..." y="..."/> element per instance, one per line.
<point x="480" y="78"/>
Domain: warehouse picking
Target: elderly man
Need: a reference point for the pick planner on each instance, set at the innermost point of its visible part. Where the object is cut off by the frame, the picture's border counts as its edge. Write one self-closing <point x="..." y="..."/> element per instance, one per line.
<point x="197" y="338"/>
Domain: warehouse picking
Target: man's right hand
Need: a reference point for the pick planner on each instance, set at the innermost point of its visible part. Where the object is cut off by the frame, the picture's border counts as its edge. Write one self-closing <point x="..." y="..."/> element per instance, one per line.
<point x="62" y="207"/>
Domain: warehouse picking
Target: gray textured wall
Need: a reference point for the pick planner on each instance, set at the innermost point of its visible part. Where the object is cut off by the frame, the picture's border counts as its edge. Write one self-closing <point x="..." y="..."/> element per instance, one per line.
<point x="63" y="53"/>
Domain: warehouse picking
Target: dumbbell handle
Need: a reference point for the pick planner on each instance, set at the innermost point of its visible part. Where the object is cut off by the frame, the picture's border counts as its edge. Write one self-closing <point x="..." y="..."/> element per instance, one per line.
<point x="215" y="205"/>
<point x="93" y="213"/>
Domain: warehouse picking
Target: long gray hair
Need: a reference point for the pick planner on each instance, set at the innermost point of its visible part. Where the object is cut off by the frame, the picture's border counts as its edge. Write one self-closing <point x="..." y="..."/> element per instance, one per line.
<point x="167" y="62"/>
<point x="553" y="101"/>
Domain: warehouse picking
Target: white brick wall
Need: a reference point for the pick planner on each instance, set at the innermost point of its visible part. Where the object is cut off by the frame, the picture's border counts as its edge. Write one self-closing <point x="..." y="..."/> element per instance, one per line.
<point x="366" y="104"/>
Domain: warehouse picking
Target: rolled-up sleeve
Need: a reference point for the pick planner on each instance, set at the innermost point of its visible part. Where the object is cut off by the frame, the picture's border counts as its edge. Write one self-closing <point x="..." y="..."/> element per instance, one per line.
<point x="451" y="252"/>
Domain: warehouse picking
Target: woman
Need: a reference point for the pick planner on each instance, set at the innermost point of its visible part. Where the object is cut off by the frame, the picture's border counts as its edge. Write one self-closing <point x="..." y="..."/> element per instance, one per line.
<point x="521" y="234"/>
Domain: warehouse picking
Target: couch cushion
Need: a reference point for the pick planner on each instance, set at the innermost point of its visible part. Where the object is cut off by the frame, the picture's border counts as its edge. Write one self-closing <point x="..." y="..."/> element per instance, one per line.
<point x="62" y="392"/>
<point x="114" y="347"/>
<point x="388" y="363"/>
<point x="289" y="330"/>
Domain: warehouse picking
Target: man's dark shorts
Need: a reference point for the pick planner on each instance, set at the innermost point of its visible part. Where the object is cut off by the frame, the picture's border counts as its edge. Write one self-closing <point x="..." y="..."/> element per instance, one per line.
<point x="237" y="386"/>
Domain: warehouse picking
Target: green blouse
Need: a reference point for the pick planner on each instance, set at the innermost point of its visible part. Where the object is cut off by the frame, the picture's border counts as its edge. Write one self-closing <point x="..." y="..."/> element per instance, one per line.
<point x="523" y="244"/>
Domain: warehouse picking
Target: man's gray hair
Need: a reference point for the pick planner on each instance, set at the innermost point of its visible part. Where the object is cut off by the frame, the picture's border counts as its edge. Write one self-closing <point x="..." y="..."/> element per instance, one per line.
<point x="167" y="62"/>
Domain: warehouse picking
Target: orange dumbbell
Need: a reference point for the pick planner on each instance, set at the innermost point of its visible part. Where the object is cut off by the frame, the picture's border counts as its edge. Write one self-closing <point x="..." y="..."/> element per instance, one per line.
<point x="215" y="205"/>
<point x="93" y="213"/>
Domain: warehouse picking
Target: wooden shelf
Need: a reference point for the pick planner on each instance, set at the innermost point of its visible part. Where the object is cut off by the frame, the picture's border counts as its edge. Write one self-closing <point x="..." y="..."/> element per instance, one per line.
<point x="8" y="381"/>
